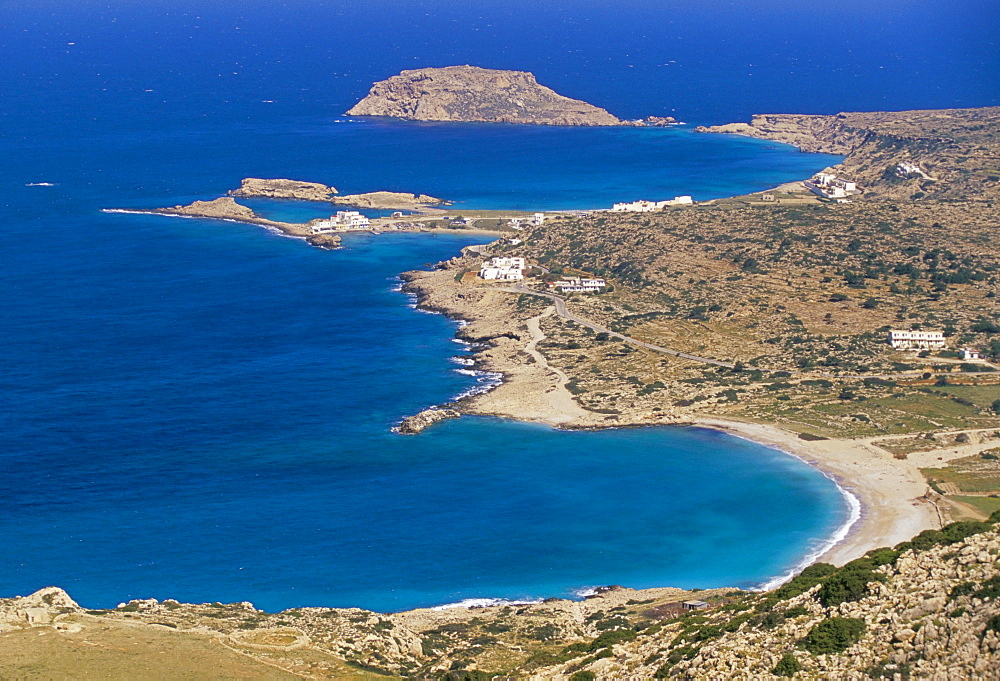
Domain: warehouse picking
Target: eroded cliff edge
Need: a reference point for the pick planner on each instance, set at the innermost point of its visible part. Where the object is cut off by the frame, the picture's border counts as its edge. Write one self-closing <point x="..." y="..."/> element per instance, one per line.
<point x="473" y="94"/>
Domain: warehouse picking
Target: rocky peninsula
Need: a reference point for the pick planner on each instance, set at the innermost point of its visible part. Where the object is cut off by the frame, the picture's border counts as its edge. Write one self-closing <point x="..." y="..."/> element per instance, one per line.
<point x="473" y="94"/>
<point x="940" y="153"/>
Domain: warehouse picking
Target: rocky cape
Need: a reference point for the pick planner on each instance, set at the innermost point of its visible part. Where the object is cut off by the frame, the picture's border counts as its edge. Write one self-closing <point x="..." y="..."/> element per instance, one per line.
<point x="226" y="208"/>
<point x="473" y="94"/>
<point x="954" y="149"/>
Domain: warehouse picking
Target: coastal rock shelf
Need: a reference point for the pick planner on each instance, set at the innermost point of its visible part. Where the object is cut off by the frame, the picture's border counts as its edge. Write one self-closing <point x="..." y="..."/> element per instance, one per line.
<point x="473" y="94"/>
<point x="428" y="417"/>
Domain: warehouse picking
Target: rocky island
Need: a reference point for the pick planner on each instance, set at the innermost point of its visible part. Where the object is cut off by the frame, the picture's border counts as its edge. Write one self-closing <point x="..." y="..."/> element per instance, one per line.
<point x="473" y="94"/>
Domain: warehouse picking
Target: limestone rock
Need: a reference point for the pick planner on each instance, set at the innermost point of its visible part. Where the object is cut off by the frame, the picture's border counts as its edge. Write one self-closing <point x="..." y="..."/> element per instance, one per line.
<point x="284" y="189"/>
<point x="470" y="93"/>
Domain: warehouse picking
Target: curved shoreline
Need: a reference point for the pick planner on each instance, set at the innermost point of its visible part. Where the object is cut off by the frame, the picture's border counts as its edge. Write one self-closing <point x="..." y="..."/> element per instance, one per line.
<point x="888" y="501"/>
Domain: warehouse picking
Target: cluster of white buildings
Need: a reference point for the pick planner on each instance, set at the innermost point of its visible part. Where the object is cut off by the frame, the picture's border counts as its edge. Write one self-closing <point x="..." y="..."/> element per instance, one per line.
<point x="344" y="220"/>
<point x="503" y="269"/>
<point x="916" y="340"/>
<point x="578" y="285"/>
<point x="830" y="186"/>
<point x="651" y="206"/>
<point x="520" y="223"/>
<point x="908" y="170"/>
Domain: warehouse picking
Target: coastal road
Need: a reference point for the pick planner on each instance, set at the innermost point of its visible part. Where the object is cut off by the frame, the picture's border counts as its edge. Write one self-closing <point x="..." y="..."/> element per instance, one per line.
<point x="560" y="306"/>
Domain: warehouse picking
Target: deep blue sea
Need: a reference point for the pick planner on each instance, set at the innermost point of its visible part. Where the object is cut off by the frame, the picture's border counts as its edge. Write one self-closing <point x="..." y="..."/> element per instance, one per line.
<point x="202" y="410"/>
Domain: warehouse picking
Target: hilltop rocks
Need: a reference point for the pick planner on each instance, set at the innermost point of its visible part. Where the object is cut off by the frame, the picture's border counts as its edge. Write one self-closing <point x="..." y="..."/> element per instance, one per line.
<point x="38" y="609"/>
<point x="473" y="94"/>
<point x="283" y="189"/>
<point x="428" y="417"/>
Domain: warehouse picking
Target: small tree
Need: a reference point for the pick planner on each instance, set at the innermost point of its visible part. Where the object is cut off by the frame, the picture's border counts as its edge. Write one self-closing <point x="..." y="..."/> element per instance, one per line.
<point x="787" y="666"/>
<point x="834" y="635"/>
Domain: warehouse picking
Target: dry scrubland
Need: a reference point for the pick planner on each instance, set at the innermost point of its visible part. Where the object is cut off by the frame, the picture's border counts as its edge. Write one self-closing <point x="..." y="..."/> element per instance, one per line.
<point x="800" y="298"/>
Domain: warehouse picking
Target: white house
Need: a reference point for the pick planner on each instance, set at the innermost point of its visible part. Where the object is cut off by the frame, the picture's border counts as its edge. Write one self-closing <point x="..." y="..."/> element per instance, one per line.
<point x="343" y="220"/>
<point x="969" y="353"/>
<point x="519" y="223"/>
<point x="639" y="206"/>
<point x="578" y="285"/>
<point x="830" y="186"/>
<point x="910" y="340"/>
<point x="651" y="206"/>
<point x="322" y="227"/>
<point x="350" y="219"/>
<point x="503" y="269"/>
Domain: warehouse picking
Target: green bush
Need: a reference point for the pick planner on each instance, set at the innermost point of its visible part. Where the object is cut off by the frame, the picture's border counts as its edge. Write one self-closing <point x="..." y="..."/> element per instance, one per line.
<point x="805" y="580"/>
<point x="583" y="676"/>
<point x="833" y="635"/>
<point x="787" y="666"/>
<point x="849" y="584"/>
<point x="988" y="589"/>
<point x="993" y="624"/>
<point x="883" y="556"/>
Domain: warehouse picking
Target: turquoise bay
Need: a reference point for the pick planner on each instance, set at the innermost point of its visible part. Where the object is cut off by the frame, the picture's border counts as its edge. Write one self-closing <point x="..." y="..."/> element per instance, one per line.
<point x="202" y="410"/>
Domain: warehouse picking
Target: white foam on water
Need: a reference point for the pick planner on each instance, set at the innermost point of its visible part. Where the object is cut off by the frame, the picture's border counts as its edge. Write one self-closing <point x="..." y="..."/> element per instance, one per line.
<point x="485" y="603"/>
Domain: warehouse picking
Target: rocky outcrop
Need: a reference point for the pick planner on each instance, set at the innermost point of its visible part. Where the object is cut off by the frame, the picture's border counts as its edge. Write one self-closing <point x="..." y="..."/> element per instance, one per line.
<point x="473" y="94"/>
<point x="38" y="609"/>
<point x="326" y="241"/>
<point x="953" y="151"/>
<point x="283" y="189"/>
<point x="415" y="424"/>
<point x="388" y="201"/>
<point x="226" y="208"/>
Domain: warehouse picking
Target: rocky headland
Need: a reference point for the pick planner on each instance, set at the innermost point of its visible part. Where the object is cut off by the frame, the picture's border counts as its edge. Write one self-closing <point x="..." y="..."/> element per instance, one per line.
<point x="473" y="94"/>
<point x="954" y="151"/>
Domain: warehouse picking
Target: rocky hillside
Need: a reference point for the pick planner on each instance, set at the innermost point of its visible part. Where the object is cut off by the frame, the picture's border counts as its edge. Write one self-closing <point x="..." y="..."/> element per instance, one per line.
<point x="926" y="608"/>
<point x="956" y="152"/>
<point x="469" y="93"/>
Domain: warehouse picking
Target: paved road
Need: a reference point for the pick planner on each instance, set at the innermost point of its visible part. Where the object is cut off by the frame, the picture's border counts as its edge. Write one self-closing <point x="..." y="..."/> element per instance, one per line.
<point x="560" y="305"/>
